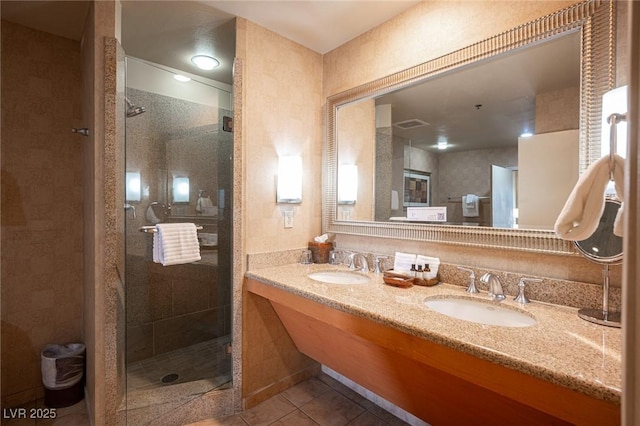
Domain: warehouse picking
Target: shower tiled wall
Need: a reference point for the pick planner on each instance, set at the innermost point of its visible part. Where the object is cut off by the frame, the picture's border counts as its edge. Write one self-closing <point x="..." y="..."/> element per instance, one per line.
<point x="42" y="293"/>
<point x="172" y="307"/>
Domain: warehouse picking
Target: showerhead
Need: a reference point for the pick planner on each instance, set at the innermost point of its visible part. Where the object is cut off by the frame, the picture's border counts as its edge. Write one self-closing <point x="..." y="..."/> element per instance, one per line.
<point x="133" y="110"/>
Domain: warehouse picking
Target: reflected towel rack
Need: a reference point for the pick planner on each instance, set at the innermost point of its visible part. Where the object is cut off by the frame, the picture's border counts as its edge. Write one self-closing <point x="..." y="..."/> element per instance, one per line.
<point x="613" y="121"/>
<point x="152" y="229"/>
<point x="459" y="199"/>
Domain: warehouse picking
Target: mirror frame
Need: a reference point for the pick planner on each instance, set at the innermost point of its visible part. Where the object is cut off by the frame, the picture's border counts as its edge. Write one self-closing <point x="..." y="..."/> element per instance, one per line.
<point x="594" y="19"/>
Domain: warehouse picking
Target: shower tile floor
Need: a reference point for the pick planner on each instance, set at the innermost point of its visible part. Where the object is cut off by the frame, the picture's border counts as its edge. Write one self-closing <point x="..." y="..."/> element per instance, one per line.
<point x="203" y="361"/>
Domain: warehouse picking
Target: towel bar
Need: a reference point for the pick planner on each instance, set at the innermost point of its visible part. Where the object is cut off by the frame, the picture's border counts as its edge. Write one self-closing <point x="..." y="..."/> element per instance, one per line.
<point x="152" y="229"/>
<point x="459" y="199"/>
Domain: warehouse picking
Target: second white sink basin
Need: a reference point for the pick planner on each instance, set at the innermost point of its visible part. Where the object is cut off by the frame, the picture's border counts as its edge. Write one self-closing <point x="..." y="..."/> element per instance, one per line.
<point x="339" y="277"/>
<point x="479" y="312"/>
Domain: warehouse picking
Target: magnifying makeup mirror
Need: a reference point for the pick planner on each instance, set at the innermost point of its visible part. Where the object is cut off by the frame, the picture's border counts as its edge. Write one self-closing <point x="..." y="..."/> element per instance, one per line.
<point x="605" y="248"/>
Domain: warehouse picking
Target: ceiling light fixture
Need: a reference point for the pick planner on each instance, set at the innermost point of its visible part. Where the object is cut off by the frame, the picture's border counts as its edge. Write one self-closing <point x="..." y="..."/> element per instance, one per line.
<point x="443" y="143"/>
<point x="205" y="62"/>
<point x="181" y="77"/>
<point x="526" y="135"/>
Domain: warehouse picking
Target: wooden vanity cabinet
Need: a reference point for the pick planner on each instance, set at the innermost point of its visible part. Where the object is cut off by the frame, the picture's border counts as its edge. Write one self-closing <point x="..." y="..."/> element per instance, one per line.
<point x="438" y="384"/>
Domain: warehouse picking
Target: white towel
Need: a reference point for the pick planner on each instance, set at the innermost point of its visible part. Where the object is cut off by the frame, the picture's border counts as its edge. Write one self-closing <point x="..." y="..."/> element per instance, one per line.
<point x="175" y="243"/>
<point x="581" y="213"/>
<point x="433" y="263"/>
<point x="402" y="262"/>
<point x="470" y="206"/>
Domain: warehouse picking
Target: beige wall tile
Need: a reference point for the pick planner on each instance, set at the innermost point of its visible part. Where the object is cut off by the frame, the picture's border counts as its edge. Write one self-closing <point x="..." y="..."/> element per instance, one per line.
<point x="42" y="298"/>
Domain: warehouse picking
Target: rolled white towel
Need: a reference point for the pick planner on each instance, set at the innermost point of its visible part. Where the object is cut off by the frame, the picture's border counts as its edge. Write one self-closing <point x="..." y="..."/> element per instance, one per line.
<point x="581" y="213"/>
<point x="175" y="243"/>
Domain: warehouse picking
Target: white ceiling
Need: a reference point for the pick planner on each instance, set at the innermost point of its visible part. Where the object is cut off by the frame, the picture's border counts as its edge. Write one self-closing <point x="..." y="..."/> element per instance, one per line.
<point x="320" y="25"/>
<point x="168" y="32"/>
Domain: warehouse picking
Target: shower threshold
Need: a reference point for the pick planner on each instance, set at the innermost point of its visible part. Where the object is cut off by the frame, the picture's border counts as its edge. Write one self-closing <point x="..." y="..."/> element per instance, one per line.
<point x="207" y="365"/>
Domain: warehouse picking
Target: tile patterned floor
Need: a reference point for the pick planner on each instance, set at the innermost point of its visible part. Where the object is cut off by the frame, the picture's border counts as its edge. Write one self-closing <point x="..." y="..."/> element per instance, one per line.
<point x="202" y="361"/>
<point x="318" y="401"/>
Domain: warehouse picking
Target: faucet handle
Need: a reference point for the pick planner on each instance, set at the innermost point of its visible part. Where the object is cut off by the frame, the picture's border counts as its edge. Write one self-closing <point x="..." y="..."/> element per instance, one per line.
<point x="471" y="288"/>
<point x="351" y="260"/>
<point x="378" y="268"/>
<point x="522" y="297"/>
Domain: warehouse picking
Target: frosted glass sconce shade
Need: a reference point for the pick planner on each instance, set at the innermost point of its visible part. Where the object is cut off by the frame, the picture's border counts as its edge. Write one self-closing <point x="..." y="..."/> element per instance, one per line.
<point x="614" y="102"/>
<point x="289" y="188"/>
<point x="347" y="184"/>
<point x="133" y="186"/>
<point x="180" y="189"/>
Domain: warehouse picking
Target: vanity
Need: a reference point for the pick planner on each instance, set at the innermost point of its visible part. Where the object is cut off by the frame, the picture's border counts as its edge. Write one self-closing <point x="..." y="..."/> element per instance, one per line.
<point x="561" y="370"/>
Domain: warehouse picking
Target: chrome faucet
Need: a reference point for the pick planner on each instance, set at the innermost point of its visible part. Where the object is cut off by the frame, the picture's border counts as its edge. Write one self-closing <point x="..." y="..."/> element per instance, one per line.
<point x="378" y="268"/>
<point x="471" y="288"/>
<point x="495" y="287"/>
<point x="522" y="296"/>
<point x="364" y="264"/>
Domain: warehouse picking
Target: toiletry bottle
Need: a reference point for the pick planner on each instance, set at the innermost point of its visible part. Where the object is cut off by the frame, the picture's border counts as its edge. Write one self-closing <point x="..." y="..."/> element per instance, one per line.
<point x="419" y="273"/>
<point x="413" y="270"/>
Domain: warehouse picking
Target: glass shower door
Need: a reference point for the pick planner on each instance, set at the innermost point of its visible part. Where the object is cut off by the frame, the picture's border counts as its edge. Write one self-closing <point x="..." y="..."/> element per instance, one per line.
<point x="179" y="152"/>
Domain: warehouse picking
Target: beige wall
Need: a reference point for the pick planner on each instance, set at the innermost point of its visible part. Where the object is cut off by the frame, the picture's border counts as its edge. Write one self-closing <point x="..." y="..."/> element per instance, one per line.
<point x="41" y="204"/>
<point x="282" y="115"/>
<point x="424" y="32"/>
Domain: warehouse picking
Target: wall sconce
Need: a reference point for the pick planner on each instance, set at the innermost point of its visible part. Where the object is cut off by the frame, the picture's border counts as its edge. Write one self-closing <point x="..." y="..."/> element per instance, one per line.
<point x="614" y="102"/>
<point x="289" y="188"/>
<point x="181" y="189"/>
<point x="132" y="186"/>
<point x="347" y="184"/>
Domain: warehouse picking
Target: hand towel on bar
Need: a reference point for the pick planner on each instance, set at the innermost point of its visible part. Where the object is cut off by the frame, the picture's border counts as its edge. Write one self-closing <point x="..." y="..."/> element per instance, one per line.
<point x="470" y="206"/>
<point x="175" y="243"/>
<point x="581" y="214"/>
<point x="433" y="262"/>
<point x="402" y="262"/>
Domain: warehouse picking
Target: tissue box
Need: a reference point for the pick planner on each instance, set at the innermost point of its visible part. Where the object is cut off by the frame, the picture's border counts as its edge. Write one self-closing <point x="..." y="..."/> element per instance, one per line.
<point x="427" y="214"/>
<point x="320" y="251"/>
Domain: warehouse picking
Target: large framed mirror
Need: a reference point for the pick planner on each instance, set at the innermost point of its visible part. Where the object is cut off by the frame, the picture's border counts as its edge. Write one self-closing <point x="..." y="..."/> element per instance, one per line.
<point x="493" y="185"/>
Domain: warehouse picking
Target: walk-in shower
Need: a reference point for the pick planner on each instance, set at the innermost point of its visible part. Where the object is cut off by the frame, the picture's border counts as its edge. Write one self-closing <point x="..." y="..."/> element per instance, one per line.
<point x="179" y="170"/>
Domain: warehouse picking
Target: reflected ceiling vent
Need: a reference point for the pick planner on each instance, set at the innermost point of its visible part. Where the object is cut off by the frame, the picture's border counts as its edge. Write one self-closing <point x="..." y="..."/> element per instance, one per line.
<point x="410" y="124"/>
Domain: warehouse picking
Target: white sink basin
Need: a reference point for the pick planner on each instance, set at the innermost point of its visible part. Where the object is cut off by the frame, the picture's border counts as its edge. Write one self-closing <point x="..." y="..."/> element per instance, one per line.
<point x="480" y="312"/>
<point x="339" y="277"/>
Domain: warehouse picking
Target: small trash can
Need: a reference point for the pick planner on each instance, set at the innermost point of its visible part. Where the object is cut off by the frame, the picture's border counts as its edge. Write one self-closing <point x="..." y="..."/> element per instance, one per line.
<point x="62" y="374"/>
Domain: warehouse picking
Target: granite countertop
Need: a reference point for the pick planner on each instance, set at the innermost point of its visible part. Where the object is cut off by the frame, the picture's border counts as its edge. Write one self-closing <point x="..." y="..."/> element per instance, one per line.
<point x="561" y="348"/>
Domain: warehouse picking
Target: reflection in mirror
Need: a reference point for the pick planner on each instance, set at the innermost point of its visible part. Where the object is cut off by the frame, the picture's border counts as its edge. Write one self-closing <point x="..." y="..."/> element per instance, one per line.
<point x="603" y="247"/>
<point x="459" y="141"/>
